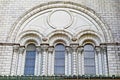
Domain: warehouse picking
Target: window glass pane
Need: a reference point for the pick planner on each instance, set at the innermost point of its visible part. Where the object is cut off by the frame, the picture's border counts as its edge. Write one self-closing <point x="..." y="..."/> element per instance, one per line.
<point x="89" y="62"/>
<point x="31" y="47"/>
<point x="88" y="47"/>
<point x="30" y="60"/>
<point x="89" y="59"/>
<point x="59" y="60"/>
<point x="89" y="54"/>
<point x="60" y="54"/>
<point x="59" y="47"/>
<point x="90" y="70"/>
<point x="59" y="70"/>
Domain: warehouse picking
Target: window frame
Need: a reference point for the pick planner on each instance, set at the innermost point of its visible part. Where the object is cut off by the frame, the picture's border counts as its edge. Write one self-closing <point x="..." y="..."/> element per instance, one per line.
<point x="28" y="59"/>
<point x="60" y="59"/>
<point x="93" y="65"/>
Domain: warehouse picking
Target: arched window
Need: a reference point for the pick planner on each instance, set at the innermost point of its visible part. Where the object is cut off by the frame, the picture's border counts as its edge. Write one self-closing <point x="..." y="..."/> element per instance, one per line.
<point x="30" y="60"/>
<point x="89" y="59"/>
<point x="59" y="66"/>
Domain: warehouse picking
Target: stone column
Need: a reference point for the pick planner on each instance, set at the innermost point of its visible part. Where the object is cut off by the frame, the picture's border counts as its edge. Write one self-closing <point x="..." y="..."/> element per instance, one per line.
<point x="50" y="62"/>
<point x="79" y="62"/>
<point x="14" y="59"/>
<point x="74" y="58"/>
<point x="69" y="61"/>
<point x="98" y="61"/>
<point x="38" y="61"/>
<point x="44" y="48"/>
<point x="66" y="63"/>
<point x="20" y="57"/>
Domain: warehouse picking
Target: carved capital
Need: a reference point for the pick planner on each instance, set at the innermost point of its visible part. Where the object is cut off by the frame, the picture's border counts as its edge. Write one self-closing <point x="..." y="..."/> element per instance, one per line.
<point x="68" y="49"/>
<point x="104" y="47"/>
<point x="97" y="48"/>
<point x="80" y="49"/>
<point x="22" y="48"/>
<point x="74" y="47"/>
<point x="16" y="48"/>
<point x="38" y="48"/>
<point x="44" y="47"/>
<point x="50" y="49"/>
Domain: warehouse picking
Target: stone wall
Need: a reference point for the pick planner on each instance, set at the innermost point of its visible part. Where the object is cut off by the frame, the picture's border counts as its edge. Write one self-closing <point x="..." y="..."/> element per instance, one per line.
<point x="11" y="11"/>
<point x="107" y="10"/>
<point x="5" y="59"/>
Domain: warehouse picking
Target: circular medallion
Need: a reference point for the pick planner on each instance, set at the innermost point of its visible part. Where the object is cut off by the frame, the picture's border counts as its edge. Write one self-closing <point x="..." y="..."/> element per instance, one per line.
<point x="60" y="19"/>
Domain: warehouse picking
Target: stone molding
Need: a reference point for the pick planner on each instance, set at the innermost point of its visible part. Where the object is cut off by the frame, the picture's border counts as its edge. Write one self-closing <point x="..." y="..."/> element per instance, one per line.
<point x="59" y="4"/>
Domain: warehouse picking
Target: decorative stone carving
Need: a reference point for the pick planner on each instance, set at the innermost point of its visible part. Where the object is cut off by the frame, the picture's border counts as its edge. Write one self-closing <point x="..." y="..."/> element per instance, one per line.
<point x="50" y="60"/>
<point x="68" y="65"/>
<point x="50" y="49"/>
<point x="22" y="48"/>
<point x="60" y="19"/>
<point x="16" y="48"/>
<point x="38" y="49"/>
<point x="74" y="39"/>
<point x="80" y="49"/>
<point x="97" y="48"/>
<point x="74" y="61"/>
<point x="74" y="47"/>
<point x="44" y="39"/>
<point x="44" y="48"/>
<point x="68" y="49"/>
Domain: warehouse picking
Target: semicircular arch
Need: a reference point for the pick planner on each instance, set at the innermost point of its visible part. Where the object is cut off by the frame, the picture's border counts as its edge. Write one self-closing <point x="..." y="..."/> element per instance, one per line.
<point x="59" y="4"/>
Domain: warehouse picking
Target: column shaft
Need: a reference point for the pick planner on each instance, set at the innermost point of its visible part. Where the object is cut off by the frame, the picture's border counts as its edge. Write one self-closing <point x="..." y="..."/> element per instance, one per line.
<point x="44" y="56"/>
<point x="14" y="59"/>
<point x="74" y="61"/>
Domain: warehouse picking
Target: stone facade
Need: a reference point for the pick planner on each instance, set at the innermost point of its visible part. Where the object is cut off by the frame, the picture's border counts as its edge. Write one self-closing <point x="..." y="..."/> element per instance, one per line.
<point x="47" y="23"/>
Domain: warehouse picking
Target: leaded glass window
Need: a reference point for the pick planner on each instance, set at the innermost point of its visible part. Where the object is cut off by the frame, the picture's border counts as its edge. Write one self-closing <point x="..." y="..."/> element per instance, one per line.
<point x="89" y="60"/>
<point x="59" y="67"/>
<point x="30" y="60"/>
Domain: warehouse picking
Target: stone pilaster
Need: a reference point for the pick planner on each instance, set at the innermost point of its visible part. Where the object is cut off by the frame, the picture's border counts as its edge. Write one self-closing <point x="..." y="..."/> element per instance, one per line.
<point x="50" y="61"/>
<point x="20" y="58"/>
<point x="74" y="58"/>
<point x="14" y="59"/>
<point x="79" y="62"/>
<point x="44" y="48"/>
<point x="105" y="69"/>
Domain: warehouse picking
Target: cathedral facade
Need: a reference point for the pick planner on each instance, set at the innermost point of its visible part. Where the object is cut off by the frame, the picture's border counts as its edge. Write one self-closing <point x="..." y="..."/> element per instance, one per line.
<point x="63" y="37"/>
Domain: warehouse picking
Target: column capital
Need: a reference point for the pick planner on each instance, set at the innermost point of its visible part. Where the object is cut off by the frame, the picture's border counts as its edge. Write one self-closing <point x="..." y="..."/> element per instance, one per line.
<point x="68" y="49"/>
<point x="50" y="49"/>
<point x="97" y="48"/>
<point x="80" y="49"/>
<point x="38" y="48"/>
<point x="44" y="46"/>
<point x="103" y="47"/>
<point x="74" y="46"/>
<point x="22" y="48"/>
<point x="16" y="47"/>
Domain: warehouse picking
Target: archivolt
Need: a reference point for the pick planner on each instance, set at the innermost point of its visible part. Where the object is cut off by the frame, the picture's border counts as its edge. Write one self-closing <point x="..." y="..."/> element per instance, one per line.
<point x="59" y="37"/>
<point x="29" y="36"/>
<point x="90" y="37"/>
<point x="58" y="4"/>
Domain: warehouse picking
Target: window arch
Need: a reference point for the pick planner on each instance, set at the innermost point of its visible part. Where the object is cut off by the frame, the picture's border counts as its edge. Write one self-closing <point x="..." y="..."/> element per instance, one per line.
<point x="30" y="60"/>
<point x="59" y="66"/>
<point x="89" y="59"/>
